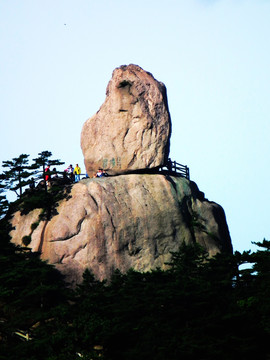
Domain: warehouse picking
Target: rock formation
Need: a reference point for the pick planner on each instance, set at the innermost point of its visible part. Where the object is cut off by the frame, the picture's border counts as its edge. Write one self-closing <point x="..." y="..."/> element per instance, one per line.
<point x="131" y="130"/>
<point x="128" y="221"/>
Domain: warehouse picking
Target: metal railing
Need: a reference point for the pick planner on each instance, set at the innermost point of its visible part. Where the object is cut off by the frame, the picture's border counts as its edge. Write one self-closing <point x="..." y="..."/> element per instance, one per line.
<point x="174" y="167"/>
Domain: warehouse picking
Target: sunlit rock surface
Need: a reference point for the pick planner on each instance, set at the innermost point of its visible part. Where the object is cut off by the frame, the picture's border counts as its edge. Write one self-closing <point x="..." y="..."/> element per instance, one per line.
<point x="122" y="222"/>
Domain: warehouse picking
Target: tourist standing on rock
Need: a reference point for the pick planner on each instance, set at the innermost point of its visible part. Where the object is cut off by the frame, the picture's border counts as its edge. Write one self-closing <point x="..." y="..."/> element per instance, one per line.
<point x="48" y="175"/>
<point x="99" y="173"/>
<point x="54" y="175"/>
<point x="32" y="183"/>
<point x="77" y="172"/>
<point x="104" y="173"/>
<point x="169" y="165"/>
<point x="70" y="170"/>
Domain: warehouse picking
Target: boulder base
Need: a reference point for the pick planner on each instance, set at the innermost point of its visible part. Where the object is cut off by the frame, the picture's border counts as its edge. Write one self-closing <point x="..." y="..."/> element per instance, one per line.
<point x="123" y="222"/>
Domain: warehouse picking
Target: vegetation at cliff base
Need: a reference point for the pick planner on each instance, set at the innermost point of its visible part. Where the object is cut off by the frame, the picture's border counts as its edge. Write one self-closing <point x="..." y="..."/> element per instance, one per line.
<point x="198" y="309"/>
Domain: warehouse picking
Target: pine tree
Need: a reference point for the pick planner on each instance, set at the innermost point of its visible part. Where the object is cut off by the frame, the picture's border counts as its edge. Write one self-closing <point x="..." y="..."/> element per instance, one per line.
<point x="41" y="162"/>
<point x="260" y="284"/>
<point x="3" y="200"/>
<point x="17" y="175"/>
<point x="47" y="195"/>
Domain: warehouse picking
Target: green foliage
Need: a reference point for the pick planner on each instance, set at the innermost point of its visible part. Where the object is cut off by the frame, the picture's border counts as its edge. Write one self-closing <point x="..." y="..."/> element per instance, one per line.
<point x="193" y="310"/>
<point x="34" y="225"/>
<point x="17" y="175"/>
<point x="40" y="163"/>
<point x="26" y="240"/>
<point x="31" y="292"/>
<point x="3" y="204"/>
<point x="189" y="260"/>
<point x="47" y="199"/>
<point x="195" y="223"/>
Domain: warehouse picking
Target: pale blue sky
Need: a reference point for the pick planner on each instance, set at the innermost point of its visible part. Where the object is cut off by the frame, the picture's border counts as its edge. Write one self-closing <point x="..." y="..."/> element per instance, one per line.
<point x="213" y="57"/>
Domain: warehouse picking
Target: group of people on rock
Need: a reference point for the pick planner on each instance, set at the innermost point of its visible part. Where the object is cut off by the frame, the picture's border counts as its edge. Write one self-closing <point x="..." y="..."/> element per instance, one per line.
<point x="73" y="173"/>
<point x="70" y="172"/>
<point x="50" y="174"/>
<point x="70" y="175"/>
<point x="100" y="173"/>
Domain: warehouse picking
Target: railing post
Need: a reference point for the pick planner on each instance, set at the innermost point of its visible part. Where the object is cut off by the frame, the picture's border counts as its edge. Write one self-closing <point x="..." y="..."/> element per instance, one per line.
<point x="174" y="166"/>
<point x="187" y="172"/>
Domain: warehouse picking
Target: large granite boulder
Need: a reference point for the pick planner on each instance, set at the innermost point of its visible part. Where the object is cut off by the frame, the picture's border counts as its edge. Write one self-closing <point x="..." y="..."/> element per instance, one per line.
<point x="122" y="222"/>
<point x="131" y="131"/>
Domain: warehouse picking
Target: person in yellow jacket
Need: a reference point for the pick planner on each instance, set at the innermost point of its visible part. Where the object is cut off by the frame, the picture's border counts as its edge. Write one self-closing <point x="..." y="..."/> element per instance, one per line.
<point x="77" y="172"/>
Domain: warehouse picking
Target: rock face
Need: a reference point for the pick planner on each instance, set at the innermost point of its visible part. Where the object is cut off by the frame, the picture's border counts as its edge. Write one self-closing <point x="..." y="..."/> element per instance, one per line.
<point x="131" y="130"/>
<point x="122" y="222"/>
<point x="130" y="220"/>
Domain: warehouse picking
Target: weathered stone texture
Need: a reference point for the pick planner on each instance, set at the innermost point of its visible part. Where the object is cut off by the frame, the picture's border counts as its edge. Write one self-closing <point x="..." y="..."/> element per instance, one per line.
<point x="131" y="130"/>
<point x="125" y="221"/>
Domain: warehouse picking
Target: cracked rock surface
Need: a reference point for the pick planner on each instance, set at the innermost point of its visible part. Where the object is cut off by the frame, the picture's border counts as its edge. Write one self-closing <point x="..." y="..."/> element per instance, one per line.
<point x="122" y="222"/>
<point x="131" y="131"/>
